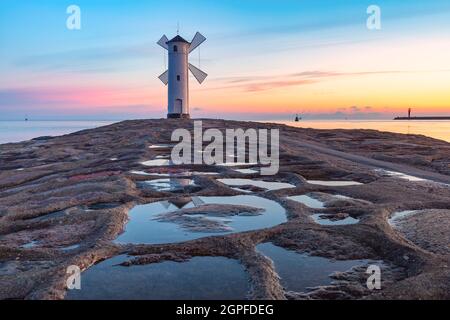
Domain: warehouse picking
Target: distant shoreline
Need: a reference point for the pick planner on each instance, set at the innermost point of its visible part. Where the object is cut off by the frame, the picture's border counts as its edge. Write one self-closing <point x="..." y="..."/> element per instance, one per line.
<point x="422" y="118"/>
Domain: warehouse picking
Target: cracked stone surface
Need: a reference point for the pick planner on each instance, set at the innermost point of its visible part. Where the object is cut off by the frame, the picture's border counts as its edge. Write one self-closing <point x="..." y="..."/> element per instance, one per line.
<point x="71" y="193"/>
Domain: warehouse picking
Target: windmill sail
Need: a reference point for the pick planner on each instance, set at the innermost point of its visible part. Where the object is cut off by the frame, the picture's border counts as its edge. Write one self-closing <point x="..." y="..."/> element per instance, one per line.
<point x="197" y="201"/>
<point x="198" y="74"/>
<point x="164" y="77"/>
<point x="163" y="42"/>
<point x="165" y="204"/>
<point x="198" y="40"/>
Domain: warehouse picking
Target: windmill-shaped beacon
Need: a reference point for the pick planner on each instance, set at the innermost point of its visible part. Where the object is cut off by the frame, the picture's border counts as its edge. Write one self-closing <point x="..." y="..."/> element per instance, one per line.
<point x="177" y="76"/>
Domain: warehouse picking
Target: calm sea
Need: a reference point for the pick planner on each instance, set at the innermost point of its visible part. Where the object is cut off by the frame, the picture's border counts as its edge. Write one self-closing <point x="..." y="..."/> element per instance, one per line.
<point x="435" y="129"/>
<point x="15" y="131"/>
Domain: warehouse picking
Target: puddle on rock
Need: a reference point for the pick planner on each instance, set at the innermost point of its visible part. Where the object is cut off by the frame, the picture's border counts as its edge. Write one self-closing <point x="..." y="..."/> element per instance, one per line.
<point x="300" y="271"/>
<point x="400" y="215"/>
<point x="170" y="184"/>
<point x="341" y="197"/>
<point x="246" y="171"/>
<point x="308" y="201"/>
<point x="268" y="185"/>
<point x="186" y="173"/>
<point x="400" y="175"/>
<point x="333" y="220"/>
<point x="69" y="248"/>
<point x="190" y="280"/>
<point x="30" y="245"/>
<point x="148" y="223"/>
<point x="143" y="173"/>
<point x="237" y="164"/>
<point x="157" y="163"/>
<point x="160" y="146"/>
<point x="329" y="183"/>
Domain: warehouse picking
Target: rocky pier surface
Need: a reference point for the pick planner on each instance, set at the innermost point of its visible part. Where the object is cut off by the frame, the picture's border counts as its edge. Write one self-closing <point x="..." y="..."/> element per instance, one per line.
<point x="64" y="200"/>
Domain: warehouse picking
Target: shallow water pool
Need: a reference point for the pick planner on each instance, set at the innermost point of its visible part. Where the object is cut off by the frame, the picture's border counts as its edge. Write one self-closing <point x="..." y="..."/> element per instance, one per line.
<point x="396" y="217"/>
<point x="268" y="185"/>
<point x="157" y="163"/>
<point x="329" y="183"/>
<point x="169" y="184"/>
<point x="144" y="225"/>
<point x="308" y="201"/>
<point x="299" y="271"/>
<point x="322" y="220"/>
<point x="190" y="280"/>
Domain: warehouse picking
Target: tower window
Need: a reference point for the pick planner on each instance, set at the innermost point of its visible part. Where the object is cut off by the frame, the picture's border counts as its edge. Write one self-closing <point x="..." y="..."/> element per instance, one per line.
<point x="175" y="48"/>
<point x="178" y="78"/>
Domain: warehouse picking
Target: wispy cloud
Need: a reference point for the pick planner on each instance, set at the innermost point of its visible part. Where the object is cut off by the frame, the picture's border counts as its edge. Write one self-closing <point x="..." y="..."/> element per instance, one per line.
<point x="71" y="97"/>
<point x="102" y="59"/>
<point x="263" y="83"/>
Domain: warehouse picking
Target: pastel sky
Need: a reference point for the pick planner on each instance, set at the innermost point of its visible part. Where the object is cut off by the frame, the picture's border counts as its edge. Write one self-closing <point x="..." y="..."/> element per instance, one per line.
<point x="266" y="59"/>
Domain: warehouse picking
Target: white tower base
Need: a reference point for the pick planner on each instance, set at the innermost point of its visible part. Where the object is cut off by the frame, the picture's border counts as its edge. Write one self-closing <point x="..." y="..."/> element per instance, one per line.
<point x="178" y="116"/>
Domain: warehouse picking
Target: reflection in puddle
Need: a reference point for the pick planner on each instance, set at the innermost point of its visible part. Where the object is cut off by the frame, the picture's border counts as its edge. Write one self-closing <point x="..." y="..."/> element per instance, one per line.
<point x="400" y="215"/>
<point x="333" y="220"/>
<point x="299" y="271"/>
<point x="341" y="183"/>
<point x="144" y="225"/>
<point x="191" y="280"/>
<point x="172" y="184"/>
<point x="308" y="201"/>
<point x="268" y="185"/>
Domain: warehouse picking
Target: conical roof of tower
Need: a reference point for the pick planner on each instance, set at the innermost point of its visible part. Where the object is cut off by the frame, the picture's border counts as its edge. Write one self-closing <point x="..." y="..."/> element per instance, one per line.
<point x="178" y="39"/>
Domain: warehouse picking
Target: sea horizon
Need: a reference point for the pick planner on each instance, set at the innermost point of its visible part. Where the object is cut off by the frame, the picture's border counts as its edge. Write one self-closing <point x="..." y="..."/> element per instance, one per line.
<point x="12" y="131"/>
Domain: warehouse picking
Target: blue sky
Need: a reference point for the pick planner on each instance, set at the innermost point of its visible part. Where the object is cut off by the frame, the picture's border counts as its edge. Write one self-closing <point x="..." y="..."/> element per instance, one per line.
<point x="260" y="57"/>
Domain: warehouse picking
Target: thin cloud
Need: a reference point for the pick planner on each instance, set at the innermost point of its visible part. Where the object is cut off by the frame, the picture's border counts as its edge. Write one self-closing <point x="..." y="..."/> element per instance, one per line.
<point x="263" y="83"/>
<point x="88" y="60"/>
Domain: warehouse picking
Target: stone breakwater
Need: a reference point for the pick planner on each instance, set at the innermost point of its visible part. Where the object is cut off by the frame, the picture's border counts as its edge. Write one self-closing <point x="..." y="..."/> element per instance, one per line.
<point x="65" y="200"/>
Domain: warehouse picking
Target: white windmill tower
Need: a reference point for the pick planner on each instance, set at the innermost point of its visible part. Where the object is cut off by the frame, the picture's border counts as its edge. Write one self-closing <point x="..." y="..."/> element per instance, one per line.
<point x="177" y="76"/>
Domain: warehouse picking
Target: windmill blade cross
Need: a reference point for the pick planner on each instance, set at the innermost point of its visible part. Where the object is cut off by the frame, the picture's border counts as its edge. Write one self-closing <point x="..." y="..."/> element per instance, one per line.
<point x="164" y="77"/>
<point x="198" y="74"/>
<point x="198" y="40"/>
<point x="163" y="42"/>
